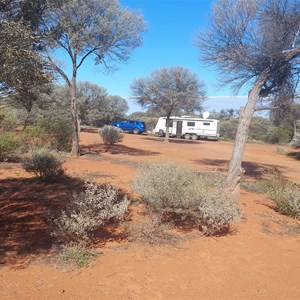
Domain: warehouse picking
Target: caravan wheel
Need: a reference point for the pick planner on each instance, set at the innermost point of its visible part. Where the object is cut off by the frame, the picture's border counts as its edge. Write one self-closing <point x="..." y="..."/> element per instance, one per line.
<point x="187" y="136"/>
<point x="161" y="133"/>
<point x="194" y="137"/>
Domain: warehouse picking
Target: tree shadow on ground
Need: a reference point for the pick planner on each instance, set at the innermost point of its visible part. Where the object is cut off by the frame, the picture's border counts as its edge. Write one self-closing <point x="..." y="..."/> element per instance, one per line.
<point x="90" y="129"/>
<point x="295" y="155"/>
<point x="116" y="149"/>
<point x="25" y="231"/>
<point x="252" y="169"/>
<point x="172" y="140"/>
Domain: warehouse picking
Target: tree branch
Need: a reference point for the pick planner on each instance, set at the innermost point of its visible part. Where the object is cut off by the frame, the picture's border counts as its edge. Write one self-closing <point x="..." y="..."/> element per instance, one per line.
<point x="260" y="108"/>
<point x="56" y="68"/>
<point x="85" y="56"/>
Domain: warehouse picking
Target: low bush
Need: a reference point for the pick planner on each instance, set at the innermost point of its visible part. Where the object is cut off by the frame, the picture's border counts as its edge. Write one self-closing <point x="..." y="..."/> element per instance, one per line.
<point x="8" y="120"/>
<point x="278" y="135"/>
<point x="9" y="144"/>
<point x="110" y="134"/>
<point x="169" y="188"/>
<point x="45" y="164"/>
<point x="173" y="190"/>
<point x="60" y="132"/>
<point x="258" y="186"/>
<point x="78" y="254"/>
<point x="153" y="231"/>
<point x="286" y="196"/>
<point x="34" y="137"/>
<point x="89" y="211"/>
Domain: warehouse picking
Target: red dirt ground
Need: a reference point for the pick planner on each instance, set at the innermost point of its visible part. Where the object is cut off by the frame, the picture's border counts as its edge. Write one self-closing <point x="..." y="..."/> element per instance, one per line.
<point x="260" y="259"/>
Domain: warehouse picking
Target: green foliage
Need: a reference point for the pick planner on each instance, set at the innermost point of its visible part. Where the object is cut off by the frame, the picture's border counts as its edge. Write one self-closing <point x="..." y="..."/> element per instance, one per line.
<point x="216" y="210"/>
<point x="79" y="255"/>
<point x="148" y="117"/>
<point x="34" y="137"/>
<point x="258" y="186"/>
<point x="89" y="211"/>
<point x="286" y="196"/>
<point x="110" y="134"/>
<point x="258" y="129"/>
<point x="176" y="191"/>
<point x="169" y="188"/>
<point x="45" y="164"/>
<point x="8" y="120"/>
<point x="96" y="107"/>
<point x="59" y="131"/>
<point x="170" y="90"/>
<point x="278" y="135"/>
<point x="9" y="144"/>
<point x="228" y="129"/>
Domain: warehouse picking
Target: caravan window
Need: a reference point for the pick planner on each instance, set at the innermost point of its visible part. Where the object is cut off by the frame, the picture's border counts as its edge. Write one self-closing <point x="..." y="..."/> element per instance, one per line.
<point x="190" y="123"/>
<point x="207" y="124"/>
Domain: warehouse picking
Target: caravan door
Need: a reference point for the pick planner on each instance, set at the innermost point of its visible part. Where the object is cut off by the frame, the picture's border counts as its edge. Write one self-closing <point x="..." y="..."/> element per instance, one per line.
<point x="179" y="128"/>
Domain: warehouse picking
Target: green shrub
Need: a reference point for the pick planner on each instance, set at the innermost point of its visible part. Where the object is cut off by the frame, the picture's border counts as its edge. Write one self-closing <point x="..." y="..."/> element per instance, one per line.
<point x="9" y="144"/>
<point x="8" y="120"/>
<point x="169" y="188"/>
<point x="228" y="129"/>
<point x="286" y="196"/>
<point x="173" y="190"/>
<point x="111" y="134"/>
<point x="89" y="211"/>
<point x="278" y="135"/>
<point x="60" y="132"/>
<point x="77" y="254"/>
<point x="258" y="129"/>
<point x="45" y="164"/>
<point x="34" y="137"/>
<point x="258" y="186"/>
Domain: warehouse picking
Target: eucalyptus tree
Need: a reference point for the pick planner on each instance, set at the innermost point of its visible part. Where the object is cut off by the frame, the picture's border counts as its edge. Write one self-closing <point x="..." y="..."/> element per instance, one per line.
<point x="91" y="101"/>
<point x="254" y="42"/>
<point x="96" y="106"/>
<point x="169" y="90"/>
<point x="102" y="29"/>
<point x="22" y="69"/>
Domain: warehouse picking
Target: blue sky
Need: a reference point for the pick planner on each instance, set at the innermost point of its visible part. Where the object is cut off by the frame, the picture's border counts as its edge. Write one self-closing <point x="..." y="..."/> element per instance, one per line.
<point x="172" y="25"/>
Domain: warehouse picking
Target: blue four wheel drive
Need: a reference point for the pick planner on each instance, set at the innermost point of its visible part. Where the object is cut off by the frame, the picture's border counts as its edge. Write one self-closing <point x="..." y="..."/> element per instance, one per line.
<point x="133" y="126"/>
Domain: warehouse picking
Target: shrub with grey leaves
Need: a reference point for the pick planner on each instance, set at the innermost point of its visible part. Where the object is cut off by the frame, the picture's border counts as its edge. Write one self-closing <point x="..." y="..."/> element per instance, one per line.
<point x="45" y="164"/>
<point x="89" y="211"/>
<point x="110" y="134"/>
<point x="174" y="190"/>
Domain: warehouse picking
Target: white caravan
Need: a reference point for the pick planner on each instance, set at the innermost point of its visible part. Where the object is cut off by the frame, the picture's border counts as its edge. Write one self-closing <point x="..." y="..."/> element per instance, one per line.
<point x="189" y="128"/>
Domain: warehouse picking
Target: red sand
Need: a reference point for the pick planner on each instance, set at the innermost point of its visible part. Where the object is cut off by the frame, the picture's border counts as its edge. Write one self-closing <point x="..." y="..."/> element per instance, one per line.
<point x="259" y="260"/>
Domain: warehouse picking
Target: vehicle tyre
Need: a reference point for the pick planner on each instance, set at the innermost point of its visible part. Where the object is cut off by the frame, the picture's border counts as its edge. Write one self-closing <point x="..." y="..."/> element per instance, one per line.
<point x="135" y="130"/>
<point x="161" y="133"/>
<point x="194" y="137"/>
<point x="187" y="136"/>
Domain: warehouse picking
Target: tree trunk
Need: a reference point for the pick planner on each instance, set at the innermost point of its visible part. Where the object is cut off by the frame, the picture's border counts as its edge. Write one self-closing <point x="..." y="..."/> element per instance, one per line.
<point x="235" y="170"/>
<point x="26" y="119"/>
<point x="166" y="140"/>
<point x="74" y="115"/>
